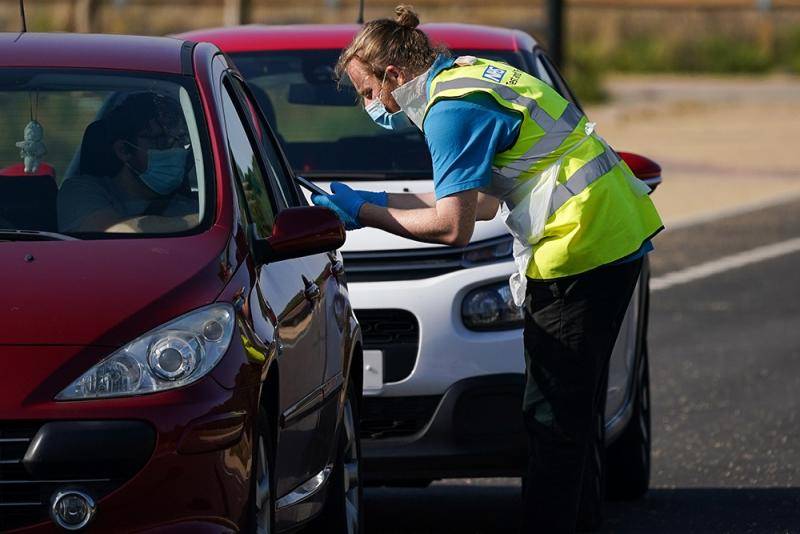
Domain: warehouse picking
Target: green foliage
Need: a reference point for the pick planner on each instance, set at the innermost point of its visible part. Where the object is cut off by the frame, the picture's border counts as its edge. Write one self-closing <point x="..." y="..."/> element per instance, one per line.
<point x="584" y="74"/>
<point x="706" y="53"/>
<point x="717" y="53"/>
<point x="787" y="51"/>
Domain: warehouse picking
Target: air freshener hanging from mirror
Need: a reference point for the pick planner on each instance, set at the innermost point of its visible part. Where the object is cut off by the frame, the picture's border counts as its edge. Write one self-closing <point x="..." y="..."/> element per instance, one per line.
<point x="32" y="148"/>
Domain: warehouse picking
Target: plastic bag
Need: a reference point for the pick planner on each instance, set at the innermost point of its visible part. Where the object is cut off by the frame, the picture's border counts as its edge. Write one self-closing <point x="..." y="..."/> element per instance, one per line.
<point x="526" y="221"/>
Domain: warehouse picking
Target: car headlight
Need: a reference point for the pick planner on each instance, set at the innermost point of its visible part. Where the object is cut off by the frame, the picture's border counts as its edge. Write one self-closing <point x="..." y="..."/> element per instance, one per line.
<point x="170" y="356"/>
<point x="491" y="307"/>
<point x="491" y="250"/>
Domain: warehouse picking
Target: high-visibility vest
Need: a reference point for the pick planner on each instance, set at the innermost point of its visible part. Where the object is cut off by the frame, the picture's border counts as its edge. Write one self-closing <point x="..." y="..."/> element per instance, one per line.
<point x="596" y="216"/>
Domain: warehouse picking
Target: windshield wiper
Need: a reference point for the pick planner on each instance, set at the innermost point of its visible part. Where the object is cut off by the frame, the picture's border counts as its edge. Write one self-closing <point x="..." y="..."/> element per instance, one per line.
<point x="7" y="234"/>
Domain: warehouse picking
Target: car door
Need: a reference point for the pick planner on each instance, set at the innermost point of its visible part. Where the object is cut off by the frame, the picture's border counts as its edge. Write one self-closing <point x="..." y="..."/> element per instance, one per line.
<point x="296" y="291"/>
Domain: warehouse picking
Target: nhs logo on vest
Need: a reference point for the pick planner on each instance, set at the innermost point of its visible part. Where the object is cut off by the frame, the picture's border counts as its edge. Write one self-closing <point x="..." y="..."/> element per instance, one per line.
<point x="494" y="74"/>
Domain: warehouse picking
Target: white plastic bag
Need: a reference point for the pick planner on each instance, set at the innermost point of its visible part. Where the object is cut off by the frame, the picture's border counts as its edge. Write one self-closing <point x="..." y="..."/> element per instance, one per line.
<point x="526" y="222"/>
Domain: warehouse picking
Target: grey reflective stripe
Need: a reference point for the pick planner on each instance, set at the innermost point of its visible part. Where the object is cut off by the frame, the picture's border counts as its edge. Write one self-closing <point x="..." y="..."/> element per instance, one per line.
<point x="591" y="171"/>
<point x="553" y="139"/>
<point x="556" y="130"/>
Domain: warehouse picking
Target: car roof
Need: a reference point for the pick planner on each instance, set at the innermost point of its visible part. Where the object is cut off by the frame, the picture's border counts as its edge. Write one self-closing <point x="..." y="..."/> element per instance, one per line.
<point x="259" y="37"/>
<point x="73" y="50"/>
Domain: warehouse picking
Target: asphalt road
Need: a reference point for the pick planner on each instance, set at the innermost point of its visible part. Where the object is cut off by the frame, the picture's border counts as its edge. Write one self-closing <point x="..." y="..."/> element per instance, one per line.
<point x="725" y="375"/>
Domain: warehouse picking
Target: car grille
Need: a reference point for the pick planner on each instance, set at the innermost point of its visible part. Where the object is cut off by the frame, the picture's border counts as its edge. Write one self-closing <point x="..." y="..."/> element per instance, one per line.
<point x="24" y="500"/>
<point x="396" y="334"/>
<point x="394" y="417"/>
<point x="415" y="264"/>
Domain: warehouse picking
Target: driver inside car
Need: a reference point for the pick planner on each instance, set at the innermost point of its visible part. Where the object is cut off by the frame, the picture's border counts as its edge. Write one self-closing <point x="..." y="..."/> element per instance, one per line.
<point x="133" y="164"/>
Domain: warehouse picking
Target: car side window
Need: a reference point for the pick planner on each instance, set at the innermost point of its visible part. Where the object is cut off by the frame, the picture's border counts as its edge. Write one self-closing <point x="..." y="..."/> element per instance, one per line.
<point x="261" y="207"/>
<point x="279" y="176"/>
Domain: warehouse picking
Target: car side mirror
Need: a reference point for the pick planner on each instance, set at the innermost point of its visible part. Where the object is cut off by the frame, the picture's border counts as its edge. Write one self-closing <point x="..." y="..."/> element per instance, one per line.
<point x="643" y="168"/>
<point x="301" y="232"/>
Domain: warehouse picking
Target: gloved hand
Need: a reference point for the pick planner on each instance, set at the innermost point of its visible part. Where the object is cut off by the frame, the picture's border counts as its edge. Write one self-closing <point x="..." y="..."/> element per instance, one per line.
<point x="373" y="197"/>
<point x="345" y="202"/>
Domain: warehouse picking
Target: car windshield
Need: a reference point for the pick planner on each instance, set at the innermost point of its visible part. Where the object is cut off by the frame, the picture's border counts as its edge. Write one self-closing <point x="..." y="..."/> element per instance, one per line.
<point x="92" y="155"/>
<point x="324" y="130"/>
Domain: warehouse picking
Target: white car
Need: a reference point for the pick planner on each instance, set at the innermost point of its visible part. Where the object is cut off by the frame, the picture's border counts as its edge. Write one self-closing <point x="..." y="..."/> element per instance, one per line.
<point x="443" y="361"/>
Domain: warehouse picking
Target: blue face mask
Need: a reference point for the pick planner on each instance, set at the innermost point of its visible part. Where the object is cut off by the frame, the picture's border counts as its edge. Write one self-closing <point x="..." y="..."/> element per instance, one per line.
<point x="391" y="121"/>
<point x="165" y="169"/>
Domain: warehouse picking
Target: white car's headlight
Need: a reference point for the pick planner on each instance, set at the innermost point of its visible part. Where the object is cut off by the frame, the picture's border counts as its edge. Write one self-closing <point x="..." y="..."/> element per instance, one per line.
<point x="491" y="307"/>
<point x="171" y="356"/>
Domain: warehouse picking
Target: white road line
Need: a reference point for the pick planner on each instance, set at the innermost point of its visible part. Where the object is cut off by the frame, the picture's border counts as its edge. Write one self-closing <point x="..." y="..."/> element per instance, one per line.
<point x="726" y="263"/>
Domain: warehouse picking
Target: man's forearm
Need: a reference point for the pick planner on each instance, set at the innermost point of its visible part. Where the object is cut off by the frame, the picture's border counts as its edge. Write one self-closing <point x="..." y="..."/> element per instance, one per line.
<point x="486" y="209"/>
<point x="411" y="201"/>
<point x="422" y="224"/>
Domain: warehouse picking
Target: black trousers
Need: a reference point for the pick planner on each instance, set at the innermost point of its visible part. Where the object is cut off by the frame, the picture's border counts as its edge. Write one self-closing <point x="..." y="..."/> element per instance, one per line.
<point x="571" y="325"/>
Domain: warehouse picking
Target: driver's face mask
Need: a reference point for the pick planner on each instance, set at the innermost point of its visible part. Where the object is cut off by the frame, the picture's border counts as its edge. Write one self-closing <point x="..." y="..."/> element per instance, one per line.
<point x="378" y="113"/>
<point x="165" y="169"/>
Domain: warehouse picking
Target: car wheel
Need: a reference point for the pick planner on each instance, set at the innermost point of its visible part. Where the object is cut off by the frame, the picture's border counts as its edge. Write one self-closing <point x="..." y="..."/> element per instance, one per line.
<point x="590" y="511"/>
<point x="343" y="510"/>
<point x="262" y="501"/>
<point x="629" y="456"/>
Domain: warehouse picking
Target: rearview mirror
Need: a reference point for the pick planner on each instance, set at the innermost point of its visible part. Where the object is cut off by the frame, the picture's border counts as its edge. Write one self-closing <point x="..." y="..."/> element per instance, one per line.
<point x="301" y="232"/>
<point x="643" y="168"/>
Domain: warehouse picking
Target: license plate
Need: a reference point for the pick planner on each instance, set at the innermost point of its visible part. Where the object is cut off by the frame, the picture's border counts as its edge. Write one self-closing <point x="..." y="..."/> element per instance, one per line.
<point x="373" y="370"/>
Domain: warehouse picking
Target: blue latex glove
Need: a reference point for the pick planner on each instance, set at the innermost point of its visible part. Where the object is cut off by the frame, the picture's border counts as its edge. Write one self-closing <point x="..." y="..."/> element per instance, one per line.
<point x="345" y="202"/>
<point x="378" y="198"/>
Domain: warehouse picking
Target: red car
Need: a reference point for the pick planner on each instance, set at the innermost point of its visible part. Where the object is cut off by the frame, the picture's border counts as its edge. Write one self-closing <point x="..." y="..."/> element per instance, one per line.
<point x="178" y="350"/>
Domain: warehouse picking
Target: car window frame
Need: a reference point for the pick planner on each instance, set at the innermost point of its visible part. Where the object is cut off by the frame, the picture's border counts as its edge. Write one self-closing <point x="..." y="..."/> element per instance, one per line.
<point x="288" y="187"/>
<point x="255" y="147"/>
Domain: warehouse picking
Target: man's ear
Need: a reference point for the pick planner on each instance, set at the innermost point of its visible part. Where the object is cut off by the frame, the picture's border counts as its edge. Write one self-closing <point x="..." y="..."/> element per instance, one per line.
<point x="397" y="74"/>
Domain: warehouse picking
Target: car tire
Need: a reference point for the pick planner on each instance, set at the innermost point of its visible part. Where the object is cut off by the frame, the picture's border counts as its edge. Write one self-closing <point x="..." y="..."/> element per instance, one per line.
<point x="343" y="510"/>
<point x="261" y="508"/>
<point x="590" y="510"/>
<point x="629" y="456"/>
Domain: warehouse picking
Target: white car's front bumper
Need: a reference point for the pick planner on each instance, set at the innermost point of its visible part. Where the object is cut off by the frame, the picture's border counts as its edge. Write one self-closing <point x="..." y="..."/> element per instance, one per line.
<point x="448" y="351"/>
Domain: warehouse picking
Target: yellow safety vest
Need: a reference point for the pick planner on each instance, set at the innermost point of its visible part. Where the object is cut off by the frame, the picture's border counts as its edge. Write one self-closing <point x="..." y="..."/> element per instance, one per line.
<point x="596" y="215"/>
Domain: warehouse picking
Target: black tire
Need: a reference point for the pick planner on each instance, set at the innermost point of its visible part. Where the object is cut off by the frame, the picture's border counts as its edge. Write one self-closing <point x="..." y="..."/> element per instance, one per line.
<point x="343" y="512"/>
<point x="629" y="456"/>
<point x="261" y="507"/>
<point x="590" y="510"/>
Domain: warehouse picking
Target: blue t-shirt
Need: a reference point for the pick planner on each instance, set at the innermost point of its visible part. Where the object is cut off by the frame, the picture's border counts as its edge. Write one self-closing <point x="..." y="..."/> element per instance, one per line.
<point x="464" y="134"/>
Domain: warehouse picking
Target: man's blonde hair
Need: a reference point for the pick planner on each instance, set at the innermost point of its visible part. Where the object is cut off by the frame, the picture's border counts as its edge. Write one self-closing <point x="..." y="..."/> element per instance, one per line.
<point x="385" y="42"/>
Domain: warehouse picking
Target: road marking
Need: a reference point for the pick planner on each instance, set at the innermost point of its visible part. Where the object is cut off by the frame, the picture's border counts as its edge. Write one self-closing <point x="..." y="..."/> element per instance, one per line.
<point x="726" y="263"/>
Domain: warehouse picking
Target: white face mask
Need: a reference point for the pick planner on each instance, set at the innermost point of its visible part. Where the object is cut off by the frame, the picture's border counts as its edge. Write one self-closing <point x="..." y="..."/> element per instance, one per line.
<point x="412" y="97"/>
